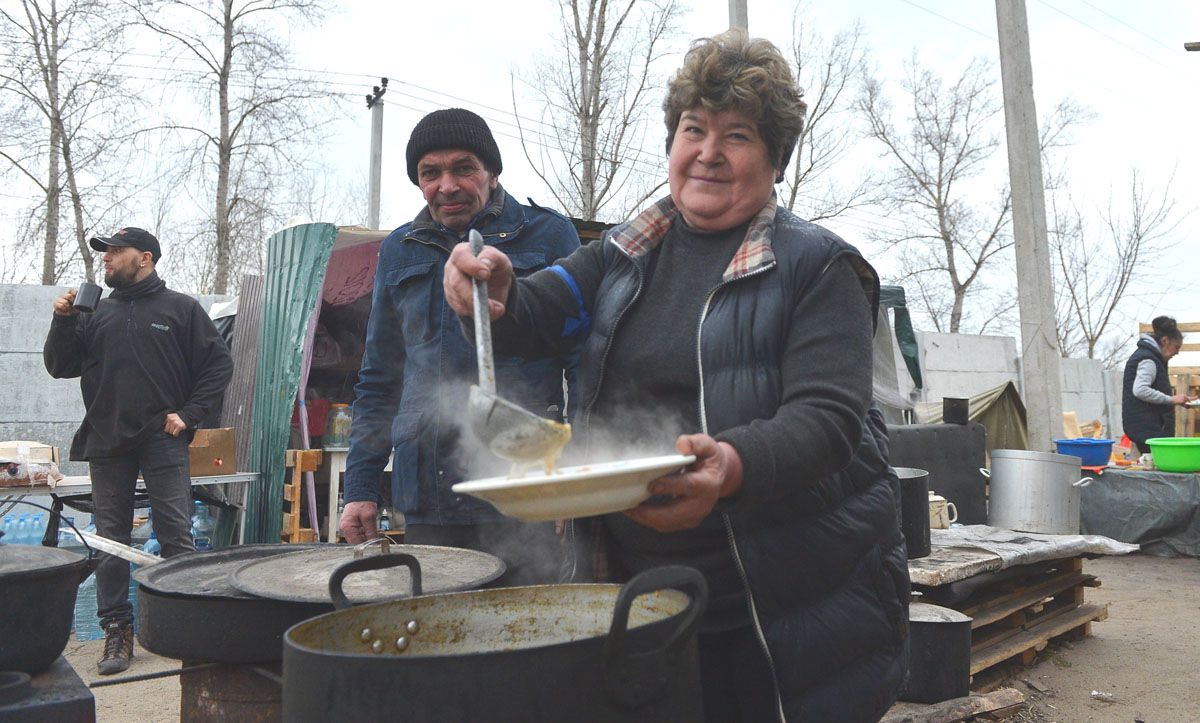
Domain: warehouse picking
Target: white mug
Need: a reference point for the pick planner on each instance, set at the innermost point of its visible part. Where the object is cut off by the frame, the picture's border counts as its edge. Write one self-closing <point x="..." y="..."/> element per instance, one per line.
<point x="941" y="512"/>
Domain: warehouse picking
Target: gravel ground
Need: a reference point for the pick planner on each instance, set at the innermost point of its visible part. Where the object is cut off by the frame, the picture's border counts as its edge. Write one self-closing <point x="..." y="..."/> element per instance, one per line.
<point x="1144" y="657"/>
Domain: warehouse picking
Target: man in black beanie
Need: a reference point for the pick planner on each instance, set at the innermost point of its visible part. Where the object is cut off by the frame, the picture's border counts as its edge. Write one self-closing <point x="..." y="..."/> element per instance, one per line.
<point x="418" y="365"/>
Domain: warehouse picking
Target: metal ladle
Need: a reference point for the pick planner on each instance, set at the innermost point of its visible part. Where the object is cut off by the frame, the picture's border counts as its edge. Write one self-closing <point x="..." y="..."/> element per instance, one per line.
<point x="508" y="430"/>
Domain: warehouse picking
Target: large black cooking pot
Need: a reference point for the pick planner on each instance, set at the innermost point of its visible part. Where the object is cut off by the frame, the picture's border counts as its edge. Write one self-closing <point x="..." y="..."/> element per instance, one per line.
<point x="37" y="603"/>
<point x="562" y="652"/>
<point x="189" y="610"/>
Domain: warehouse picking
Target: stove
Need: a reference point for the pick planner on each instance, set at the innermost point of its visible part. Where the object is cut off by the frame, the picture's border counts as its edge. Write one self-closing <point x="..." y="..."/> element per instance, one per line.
<point x="58" y="694"/>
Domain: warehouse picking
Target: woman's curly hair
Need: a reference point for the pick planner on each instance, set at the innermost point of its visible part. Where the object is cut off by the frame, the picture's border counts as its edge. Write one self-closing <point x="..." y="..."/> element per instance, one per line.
<point x="731" y="71"/>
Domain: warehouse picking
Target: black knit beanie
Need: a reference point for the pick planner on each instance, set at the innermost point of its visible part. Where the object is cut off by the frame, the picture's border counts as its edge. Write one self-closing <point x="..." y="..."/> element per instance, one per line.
<point x="452" y="128"/>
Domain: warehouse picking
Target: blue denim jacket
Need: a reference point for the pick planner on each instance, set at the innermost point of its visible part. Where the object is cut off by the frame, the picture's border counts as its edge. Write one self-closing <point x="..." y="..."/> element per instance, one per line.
<point x="411" y="396"/>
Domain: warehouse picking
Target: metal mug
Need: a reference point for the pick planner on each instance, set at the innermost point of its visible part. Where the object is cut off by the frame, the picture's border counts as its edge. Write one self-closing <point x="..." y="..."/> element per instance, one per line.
<point x="87" y="297"/>
<point x="941" y="512"/>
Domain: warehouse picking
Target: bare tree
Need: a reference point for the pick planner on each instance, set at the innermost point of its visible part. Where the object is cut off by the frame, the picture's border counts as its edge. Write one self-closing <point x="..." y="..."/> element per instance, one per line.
<point x="948" y="136"/>
<point x="587" y="145"/>
<point x="1095" y="269"/>
<point x="261" y="113"/>
<point x="61" y="93"/>
<point x="829" y="72"/>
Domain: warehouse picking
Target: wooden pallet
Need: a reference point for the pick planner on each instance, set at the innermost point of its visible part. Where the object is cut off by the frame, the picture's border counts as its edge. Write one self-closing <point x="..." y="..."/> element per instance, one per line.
<point x="1019" y="615"/>
<point x="299" y="461"/>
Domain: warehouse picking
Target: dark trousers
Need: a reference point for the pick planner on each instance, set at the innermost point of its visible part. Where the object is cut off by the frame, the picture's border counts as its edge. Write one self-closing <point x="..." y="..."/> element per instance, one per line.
<point x="532" y="553"/>
<point x="163" y="463"/>
<point x="735" y="679"/>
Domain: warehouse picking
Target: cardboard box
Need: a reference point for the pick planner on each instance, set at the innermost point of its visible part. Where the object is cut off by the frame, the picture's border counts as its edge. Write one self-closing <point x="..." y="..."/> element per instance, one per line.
<point x="34" y="451"/>
<point x="213" y="452"/>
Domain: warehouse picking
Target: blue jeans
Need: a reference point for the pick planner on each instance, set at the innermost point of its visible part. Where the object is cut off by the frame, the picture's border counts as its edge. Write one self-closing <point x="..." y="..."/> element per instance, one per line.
<point x="163" y="463"/>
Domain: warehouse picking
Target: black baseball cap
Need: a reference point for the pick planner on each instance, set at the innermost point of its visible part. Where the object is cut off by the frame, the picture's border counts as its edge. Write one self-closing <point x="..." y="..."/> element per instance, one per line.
<point x="139" y="238"/>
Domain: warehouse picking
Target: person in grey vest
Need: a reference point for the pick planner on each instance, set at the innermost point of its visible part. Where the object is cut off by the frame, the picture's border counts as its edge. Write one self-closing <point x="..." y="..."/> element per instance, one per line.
<point x="1147" y="402"/>
<point x="718" y="324"/>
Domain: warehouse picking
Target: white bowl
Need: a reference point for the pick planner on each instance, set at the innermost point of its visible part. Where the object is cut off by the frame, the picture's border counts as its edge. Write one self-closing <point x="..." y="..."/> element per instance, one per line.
<point x="582" y="491"/>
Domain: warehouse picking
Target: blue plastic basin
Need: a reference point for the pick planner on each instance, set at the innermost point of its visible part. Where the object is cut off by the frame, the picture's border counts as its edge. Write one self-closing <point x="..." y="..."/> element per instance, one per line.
<point x="1093" y="452"/>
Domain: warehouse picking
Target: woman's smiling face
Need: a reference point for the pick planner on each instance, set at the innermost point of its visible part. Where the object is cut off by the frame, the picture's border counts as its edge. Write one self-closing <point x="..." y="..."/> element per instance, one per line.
<point x="719" y="172"/>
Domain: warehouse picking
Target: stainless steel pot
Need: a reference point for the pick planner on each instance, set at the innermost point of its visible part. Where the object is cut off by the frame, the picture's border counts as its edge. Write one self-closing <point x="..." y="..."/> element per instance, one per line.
<point x="1034" y="491"/>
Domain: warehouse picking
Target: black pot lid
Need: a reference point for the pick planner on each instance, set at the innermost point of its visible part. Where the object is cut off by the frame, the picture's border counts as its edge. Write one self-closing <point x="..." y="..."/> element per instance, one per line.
<point x="207" y="574"/>
<point x="303" y="576"/>
<point x="28" y="559"/>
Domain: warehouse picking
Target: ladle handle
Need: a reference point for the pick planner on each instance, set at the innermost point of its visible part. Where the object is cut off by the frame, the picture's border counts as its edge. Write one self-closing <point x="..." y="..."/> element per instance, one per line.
<point x="483" y="324"/>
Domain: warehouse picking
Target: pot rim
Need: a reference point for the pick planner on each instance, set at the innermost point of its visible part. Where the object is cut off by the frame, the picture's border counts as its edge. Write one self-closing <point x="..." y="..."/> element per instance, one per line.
<point x="60" y="567"/>
<point x="1029" y="456"/>
<point x="289" y="641"/>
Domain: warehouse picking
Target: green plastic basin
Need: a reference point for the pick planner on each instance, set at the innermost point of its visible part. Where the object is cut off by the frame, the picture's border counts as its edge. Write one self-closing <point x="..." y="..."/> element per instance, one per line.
<point x="1175" y="454"/>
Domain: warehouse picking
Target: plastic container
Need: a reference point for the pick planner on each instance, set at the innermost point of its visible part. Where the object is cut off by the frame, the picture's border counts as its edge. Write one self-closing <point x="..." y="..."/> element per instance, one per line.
<point x="1175" y="454"/>
<point x="337" y="429"/>
<point x="202" y="528"/>
<point x="152" y="546"/>
<point x="1092" y="452"/>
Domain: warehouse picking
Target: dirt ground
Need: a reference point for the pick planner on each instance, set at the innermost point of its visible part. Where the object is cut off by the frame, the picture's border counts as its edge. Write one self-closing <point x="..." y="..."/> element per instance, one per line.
<point x="1144" y="657"/>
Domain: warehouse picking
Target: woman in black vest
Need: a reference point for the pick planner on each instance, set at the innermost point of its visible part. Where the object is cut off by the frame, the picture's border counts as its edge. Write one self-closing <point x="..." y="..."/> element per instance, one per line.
<point x="1147" y="405"/>
<point x="719" y="324"/>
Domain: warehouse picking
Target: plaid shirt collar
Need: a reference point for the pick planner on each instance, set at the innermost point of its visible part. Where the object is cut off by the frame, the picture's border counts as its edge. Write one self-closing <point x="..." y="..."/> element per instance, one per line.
<point x="645" y="232"/>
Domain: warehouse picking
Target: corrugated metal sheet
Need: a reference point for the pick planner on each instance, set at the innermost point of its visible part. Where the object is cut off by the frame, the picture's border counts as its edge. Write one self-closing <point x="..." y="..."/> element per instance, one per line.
<point x="238" y="404"/>
<point x="296" y="260"/>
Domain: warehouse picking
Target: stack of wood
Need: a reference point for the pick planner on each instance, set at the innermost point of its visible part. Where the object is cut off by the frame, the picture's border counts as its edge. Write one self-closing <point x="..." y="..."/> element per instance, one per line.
<point x="299" y="461"/>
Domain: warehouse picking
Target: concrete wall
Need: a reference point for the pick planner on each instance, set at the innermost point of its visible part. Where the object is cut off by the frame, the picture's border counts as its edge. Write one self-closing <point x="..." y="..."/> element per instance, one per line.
<point x="34" y="406"/>
<point x="1093" y="392"/>
<point x="962" y="365"/>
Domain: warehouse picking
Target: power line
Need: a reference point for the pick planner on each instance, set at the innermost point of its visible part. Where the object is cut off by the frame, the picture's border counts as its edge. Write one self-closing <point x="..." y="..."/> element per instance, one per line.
<point x="1101" y="33"/>
<point x="1114" y="18"/>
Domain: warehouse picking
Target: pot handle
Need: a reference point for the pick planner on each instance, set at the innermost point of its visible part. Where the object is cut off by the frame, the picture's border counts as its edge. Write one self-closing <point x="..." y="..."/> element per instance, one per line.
<point x="375" y="562"/>
<point x="985" y="472"/>
<point x="1082" y="483"/>
<point x="635" y="677"/>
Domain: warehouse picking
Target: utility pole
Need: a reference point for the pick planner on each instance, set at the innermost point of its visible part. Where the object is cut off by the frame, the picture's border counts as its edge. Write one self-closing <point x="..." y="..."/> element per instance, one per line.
<point x="375" y="103"/>
<point x="1186" y="46"/>
<point x="1040" y="355"/>
<point x="737" y="15"/>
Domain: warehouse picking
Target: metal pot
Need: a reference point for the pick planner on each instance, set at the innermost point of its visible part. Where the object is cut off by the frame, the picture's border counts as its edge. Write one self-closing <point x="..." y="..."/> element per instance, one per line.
<point x="37" y="604"/>
<point x="939" y="658"/>
<point x="189" y="610"/>
<point x="568" y="652"/>
<point x="1034" y="491"/>
<point x="914" y="510"/>
<point x="37" y="601"/>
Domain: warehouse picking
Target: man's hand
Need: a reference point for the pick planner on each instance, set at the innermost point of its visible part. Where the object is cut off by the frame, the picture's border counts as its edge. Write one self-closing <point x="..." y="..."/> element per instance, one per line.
<point x="358" y="522"/>
<point x="63" y="305"/>
<point x="491" y="266"/>
<point x="716" y="473"/>
<point x="174" y="424"/>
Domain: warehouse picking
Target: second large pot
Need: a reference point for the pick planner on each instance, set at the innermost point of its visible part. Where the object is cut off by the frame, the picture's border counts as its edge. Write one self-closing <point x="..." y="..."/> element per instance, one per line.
<point x="1034" y="492"/>
<point x="563" y="652"/>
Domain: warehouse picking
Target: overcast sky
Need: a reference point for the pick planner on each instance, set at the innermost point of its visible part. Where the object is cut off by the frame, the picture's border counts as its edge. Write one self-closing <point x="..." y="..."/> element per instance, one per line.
<point x="1123" y="61"/>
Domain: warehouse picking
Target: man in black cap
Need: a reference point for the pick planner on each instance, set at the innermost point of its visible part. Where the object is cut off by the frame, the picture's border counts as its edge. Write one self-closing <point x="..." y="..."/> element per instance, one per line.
<point x="418" y="365"/>
<point x="151" y="366"/>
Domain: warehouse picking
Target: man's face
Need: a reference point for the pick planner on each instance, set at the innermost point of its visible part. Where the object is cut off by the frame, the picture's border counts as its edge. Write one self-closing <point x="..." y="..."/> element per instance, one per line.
<point x="121" y="264"/>
<point x="456" y="186"/>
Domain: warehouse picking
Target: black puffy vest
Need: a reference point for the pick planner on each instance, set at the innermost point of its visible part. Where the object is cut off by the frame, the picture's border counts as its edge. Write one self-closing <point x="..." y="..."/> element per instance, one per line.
<point x="1142" y="420"/>
<point x="825" y="565"/>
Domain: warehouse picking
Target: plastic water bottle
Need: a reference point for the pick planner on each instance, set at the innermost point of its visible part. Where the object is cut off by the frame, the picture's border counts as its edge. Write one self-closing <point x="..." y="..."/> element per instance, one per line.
<point x="152" y="546"/>
<point x="87" y="625"/>
<point x="202" y="528"/>
<point x="37" y="530"/>
<point x="9" y="528"/>
<point x="21" y="535"/>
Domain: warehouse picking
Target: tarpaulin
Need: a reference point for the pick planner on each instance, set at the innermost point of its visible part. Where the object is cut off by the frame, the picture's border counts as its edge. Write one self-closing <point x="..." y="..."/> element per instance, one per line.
<point x="1158" y="510"/>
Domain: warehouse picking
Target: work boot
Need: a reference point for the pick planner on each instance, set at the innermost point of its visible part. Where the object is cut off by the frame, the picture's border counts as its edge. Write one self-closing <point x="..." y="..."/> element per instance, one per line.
<point x="118" y="647"/>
